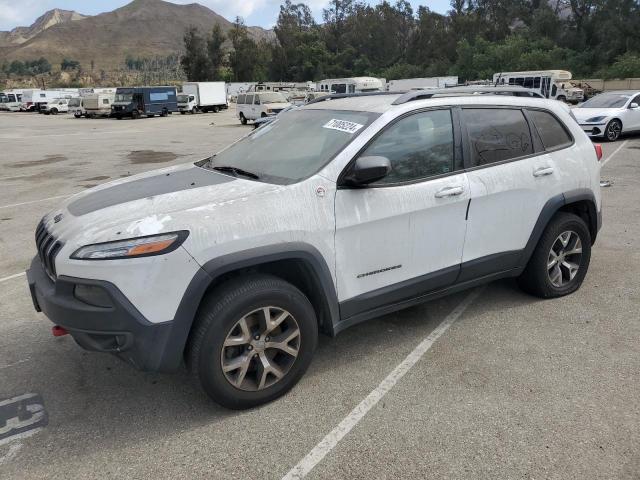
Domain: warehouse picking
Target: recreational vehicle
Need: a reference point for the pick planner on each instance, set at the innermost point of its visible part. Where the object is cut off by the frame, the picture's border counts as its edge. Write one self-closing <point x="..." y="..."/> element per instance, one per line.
<point x="98" y="104"/>
<point x="351" y="85"/>
<point x="136" y="101"/>
<point x="11" y="100"/>
<point x="550" y="83"/>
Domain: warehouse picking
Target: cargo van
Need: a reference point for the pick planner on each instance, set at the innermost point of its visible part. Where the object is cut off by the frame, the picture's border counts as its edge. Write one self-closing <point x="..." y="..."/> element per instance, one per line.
<point x="202" y="97"/>
<point x="98" y="104"/>
<point x="136" y="101"/>
<point x="254" y="105"/>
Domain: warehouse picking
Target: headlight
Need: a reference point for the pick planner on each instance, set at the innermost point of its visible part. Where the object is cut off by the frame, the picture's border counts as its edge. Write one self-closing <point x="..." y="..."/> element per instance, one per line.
<point x="595" y="119"/>
<point x="132" y="247"/>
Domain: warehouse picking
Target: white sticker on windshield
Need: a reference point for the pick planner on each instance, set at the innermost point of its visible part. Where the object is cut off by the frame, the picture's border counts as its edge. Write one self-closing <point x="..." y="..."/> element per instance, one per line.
<point x="343" y="125"/>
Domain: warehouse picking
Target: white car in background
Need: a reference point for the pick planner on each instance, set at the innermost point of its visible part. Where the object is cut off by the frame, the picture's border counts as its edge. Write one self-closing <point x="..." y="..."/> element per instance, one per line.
<point x="56" y="106"/>
<point x="610" y="114"/>
<point x="254" y="105"/>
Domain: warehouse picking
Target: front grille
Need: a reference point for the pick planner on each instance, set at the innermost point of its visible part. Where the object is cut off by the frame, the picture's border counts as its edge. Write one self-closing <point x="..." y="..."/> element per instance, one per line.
<point x="48" y="248"/>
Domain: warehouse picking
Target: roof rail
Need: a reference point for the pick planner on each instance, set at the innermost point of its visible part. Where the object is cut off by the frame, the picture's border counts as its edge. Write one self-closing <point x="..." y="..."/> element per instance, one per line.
<point x="334" y="96"/>
<point x="465" y="90"/>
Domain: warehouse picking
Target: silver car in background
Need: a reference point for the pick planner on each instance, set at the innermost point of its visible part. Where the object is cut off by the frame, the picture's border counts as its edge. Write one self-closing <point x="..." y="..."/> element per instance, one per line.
<point x="610" y="114"/>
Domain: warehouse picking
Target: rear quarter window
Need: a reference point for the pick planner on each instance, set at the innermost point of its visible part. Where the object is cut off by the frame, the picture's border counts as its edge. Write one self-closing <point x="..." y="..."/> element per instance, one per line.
<point x="552" y="132"/>
<point x="496" y="134"/>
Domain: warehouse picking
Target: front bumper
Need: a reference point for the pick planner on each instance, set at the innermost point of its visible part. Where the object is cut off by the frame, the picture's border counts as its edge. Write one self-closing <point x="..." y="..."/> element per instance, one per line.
<point x="119" y="329"/>
<point x="593" y="129"/>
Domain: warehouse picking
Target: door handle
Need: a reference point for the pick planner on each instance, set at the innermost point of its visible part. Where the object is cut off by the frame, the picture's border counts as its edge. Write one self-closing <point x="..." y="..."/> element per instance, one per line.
<point x="541" y="172"/>
<point x="450" y="191"/>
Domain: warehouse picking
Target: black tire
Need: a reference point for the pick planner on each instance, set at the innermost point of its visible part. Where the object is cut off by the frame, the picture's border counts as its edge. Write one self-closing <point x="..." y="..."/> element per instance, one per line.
<point x="613" y="130"/>
<point x="243" y="119"/>
<point x="164" y="113"/>
<point x="263" y="115"/>
<point x="182" y="112"/>
<point x="562" y="98"/>
<point x="77" y="115"/>
<point x="150" y="116"/>
<point x="54" y="111"/>
<point x="217" y="317"/>
<point x="194" y="110"/>
<point x="536" y="278"/>
<point x="216" y="109"/>
<point x="135" y="115"/>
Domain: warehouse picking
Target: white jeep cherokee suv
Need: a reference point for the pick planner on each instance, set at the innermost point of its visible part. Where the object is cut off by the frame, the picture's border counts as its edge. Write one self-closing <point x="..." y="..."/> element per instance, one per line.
<point x="332" y="214"/>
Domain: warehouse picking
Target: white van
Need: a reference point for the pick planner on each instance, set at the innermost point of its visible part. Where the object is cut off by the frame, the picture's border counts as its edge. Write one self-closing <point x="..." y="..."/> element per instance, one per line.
<point x="76" y="107"/>
<point x="254" y="105"/>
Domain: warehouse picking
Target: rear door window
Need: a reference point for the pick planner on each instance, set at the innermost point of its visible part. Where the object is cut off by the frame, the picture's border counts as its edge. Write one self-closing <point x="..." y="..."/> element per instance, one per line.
<point x="552" y="133"/>
<point x="496" y="135"/>
<point x="241" y="99"/>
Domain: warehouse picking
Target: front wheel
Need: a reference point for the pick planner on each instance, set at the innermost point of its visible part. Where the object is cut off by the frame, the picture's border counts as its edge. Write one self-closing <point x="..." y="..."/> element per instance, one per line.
<point x="560" y="260"/>
<point x="613" y="130"/>
<point x="252" y="341"/>
<point x="243" y="119"/>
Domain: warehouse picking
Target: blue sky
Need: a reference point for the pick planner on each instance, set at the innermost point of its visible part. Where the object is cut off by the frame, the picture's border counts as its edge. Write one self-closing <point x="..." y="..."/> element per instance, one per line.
<point x="15" y="13"/>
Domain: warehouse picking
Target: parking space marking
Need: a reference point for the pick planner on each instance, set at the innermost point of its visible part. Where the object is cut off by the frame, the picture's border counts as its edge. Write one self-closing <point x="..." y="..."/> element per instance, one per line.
<point x="35" y="201"/>
<point x="11" y="277"/>
<point x="329" y="442"/>
<point x="614" y="152"/>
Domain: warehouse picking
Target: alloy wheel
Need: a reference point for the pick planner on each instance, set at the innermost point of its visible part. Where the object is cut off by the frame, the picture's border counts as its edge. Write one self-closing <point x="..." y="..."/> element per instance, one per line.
<point x="260" y="348"/>
<point x="613" y="131"/>
<point x="564" y="258"/>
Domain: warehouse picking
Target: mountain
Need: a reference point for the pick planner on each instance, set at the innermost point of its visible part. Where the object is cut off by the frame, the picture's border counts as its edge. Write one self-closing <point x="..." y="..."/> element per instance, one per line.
<point x="23" y="34"/>
<point x="141" y="29"/>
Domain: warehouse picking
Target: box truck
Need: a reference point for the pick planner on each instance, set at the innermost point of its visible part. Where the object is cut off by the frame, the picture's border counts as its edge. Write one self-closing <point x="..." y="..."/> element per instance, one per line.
<point x="98" y="104"/>
<point x="202" y="97"/>
<point x="136" y="101"/>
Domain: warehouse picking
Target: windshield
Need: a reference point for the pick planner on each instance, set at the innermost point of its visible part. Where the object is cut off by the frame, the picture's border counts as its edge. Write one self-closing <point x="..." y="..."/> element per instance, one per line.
<point x="74" y="102"/>
<point x="183" y="98"/>
<point x="124" y="97"/>
<point x="608" y="100"/>
<point x="295" y="145"/>
<point x="272" y="97"/>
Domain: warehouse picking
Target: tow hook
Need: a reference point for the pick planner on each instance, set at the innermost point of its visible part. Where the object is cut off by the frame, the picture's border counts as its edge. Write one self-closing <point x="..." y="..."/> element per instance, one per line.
<point x="59" y="331"/>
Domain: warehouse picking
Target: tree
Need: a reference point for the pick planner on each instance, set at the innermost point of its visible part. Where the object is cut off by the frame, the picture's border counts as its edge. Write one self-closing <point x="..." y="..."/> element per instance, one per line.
<point x="68" y="64"/>
<point x="215" y="51"/>
<point x="195" y="62"/>
<point x="248" y="60"/>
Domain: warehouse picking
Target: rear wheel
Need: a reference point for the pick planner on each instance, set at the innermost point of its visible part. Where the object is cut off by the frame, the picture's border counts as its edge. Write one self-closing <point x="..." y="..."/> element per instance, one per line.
<point x="253" y="340"/>
<point x="561" y="259"/>
<point x="243" y="119"/>
<point x="613" y="130"/>
<point x="216" y="109"/>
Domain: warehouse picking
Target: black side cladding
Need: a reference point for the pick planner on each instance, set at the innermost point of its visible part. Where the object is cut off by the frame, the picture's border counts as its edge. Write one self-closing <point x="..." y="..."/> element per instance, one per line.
<point x="161" y="184"/>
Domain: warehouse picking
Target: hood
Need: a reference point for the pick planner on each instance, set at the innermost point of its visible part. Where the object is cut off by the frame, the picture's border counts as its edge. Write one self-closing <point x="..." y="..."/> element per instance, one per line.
<point x="149" y="203"/>
<point x="586" y="113"/>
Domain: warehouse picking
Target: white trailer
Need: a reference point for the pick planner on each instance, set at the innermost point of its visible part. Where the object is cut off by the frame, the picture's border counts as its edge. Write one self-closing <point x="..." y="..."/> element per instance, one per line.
<point x="11" y="100"/>
<point x="405" y="84"/>
<point x="202" y="97"/>
<point x="34" y="100"/>
<point x="351" y="85"/>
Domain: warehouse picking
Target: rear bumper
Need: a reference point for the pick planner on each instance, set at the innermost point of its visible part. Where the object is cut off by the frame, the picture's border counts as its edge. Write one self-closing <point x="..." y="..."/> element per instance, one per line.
<point x="119" y="329"/>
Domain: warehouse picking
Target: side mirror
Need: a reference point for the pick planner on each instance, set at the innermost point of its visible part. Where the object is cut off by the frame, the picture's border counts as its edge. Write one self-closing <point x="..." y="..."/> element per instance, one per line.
<point x="634" y="105"/>
<point x="367" y="170"/>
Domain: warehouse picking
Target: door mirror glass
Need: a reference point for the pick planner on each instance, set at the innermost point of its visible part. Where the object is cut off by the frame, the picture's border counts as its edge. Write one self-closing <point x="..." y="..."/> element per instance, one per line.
<point x="367" y="170"/>
<point x="634" y="105"/>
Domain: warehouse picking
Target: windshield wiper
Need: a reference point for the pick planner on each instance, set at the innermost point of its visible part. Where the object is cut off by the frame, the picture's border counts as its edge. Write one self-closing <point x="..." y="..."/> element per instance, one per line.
<point x="237" y="171"/>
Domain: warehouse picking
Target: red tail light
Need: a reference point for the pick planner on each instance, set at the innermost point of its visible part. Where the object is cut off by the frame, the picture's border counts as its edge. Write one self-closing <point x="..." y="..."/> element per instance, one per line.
<point x="598" y="148"/>
<point x="59" y="331"/>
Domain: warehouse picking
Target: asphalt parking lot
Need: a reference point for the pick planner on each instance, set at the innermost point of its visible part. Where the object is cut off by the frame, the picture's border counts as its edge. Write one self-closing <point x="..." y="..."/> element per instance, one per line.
<point x="516" y="387"/>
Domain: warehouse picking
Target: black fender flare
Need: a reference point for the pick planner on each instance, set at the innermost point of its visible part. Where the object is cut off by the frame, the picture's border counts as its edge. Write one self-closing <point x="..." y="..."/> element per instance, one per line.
<point x="217" y="267"/>
<point x="553" y="205"/>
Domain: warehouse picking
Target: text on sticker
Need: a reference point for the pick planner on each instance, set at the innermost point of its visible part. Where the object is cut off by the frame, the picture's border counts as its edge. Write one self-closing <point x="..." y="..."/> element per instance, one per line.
<point x="343" y="125"/>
